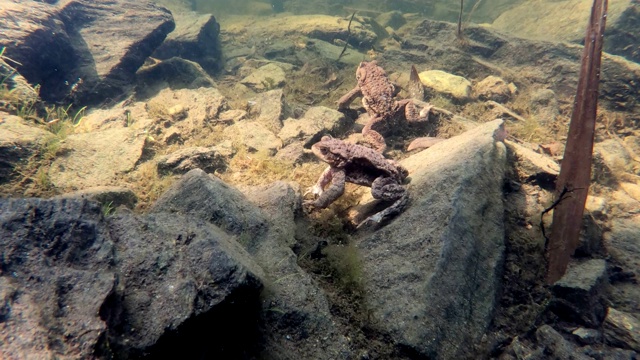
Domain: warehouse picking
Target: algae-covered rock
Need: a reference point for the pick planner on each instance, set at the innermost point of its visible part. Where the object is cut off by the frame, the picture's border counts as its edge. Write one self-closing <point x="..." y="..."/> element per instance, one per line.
<point x="323" y="27"/>
<point x="441" y="82"/>
<point x="315" y="123"/>
<point x="266" y="77"/>
<point x="567" y="20"/>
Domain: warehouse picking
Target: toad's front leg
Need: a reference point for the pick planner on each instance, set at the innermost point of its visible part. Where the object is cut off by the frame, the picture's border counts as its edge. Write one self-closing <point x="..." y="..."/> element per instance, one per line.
<point x="333" y="179"/>
<point x="348" y="98"/>
<point x="323" y="180"/>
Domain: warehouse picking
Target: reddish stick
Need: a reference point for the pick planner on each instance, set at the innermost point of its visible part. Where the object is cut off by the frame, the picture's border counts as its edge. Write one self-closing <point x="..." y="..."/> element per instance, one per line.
<point x="575" y="172"/>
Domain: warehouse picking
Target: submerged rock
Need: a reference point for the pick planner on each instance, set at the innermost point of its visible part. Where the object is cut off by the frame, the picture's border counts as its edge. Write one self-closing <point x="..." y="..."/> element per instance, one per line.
<point x="440" y="82"/>
<point x="56" y="273"/>
<point x="493" y="88"/>
<point x="20" y="92"/>
<point x="322" y="27"/>
<point x="269" y="109"/>
<point x="622" y="330"/>
<point x="316" y="122"/>
<point x="76" y="284"/>
<point x="18" y="141"/>
<point x="432" y="274"/>
<point x="579" y="293"/>
<point x="109" y="196"/>
<point x="195" y="38"/>
<point x="175" y="72"/>
<point x="566" y="21"/>
<point x="183" y="160"/>
<point x="295" y="318"/>
<point x="182" y="281"/>
<point x="64" y="46"/>
<point x="266" y="77"/>
<point x="96" y="159"/>
<point x="253" y="135"/>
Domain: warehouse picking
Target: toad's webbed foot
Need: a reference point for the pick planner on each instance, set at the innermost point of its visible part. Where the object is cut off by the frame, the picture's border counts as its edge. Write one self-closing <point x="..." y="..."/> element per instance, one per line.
<point x="374" y="221"/>
<point x="415" y="113"/>
<point x="385" y="188"/>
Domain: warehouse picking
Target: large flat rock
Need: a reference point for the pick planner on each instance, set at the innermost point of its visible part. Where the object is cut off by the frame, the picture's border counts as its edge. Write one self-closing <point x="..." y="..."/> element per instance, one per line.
<point x="96" y="159"/>
<point x="567" y="20"/>
<point x="432" y="274"/>
<point x="82" y="50"/>
<point x="323" y="27"/>
<point x="18" y="141"/>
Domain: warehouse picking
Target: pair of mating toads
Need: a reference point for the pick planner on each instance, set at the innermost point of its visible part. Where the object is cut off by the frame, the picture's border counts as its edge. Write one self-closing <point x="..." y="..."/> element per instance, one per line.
<point x="362" y="165"/>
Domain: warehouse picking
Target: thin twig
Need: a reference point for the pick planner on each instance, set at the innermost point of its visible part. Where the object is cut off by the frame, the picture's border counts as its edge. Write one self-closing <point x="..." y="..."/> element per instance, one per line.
<point x="505" y="110"/>
<point x="459" y="31"/>
<point x="473" y="9"/>
<point x="433" y="108"/>
<point x="346" y="42"/>
<point x="563" y="196"/>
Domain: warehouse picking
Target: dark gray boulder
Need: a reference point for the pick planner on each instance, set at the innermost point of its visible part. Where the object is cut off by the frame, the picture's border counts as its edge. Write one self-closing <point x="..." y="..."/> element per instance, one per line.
<point x="207" y="197"/>
<point x="180" y="278"/>
<point x="295" y="318"/>
<point x="77" y="285"/>
<point x="579" y="294"/>
<point x="110" y="197"/>
<point x="195" y="38"/>
<point x="56" y="271"/>
<point x="82" y="50"/>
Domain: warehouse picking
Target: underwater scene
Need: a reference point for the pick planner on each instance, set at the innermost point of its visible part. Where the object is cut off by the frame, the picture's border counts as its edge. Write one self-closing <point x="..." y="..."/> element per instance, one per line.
<point x="320" y="179"/>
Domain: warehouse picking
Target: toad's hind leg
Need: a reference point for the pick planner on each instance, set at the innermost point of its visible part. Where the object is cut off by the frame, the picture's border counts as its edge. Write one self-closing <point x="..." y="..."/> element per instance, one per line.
<point x="373" y="137"/>
<point x="412" y="113"/>
<point x="388" y="189"/>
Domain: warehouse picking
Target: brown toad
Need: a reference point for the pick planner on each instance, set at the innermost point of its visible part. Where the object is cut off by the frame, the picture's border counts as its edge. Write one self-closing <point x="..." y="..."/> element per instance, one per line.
<point x="378" y="99"/>
<point x="362" y="166"/>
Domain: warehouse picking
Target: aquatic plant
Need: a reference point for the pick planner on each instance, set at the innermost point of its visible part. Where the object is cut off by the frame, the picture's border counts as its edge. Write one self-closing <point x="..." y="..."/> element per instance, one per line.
<point x="459" y="29"/>
<point x="108" y="209"/>
<point x="573" y="182"/>
<point x="129" y="120"/>
<point x="60" y="118"/>
<point x="345" y="267"/>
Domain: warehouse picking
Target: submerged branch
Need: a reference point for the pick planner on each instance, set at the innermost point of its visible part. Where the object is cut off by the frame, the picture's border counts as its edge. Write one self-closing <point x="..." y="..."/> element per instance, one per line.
<point x="346" y="42"/>
<point x="575" y="171"/>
